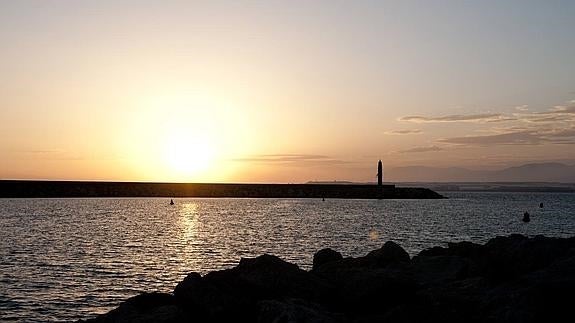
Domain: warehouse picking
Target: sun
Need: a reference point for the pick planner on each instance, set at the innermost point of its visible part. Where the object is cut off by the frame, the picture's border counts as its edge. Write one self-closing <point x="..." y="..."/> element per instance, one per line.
<point x="189" y="137"/>
<point x="188" y="156"/>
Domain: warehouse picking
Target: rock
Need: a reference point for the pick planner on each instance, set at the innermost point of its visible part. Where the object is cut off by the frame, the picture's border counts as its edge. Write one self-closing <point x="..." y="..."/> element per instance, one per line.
<point x="464" y="249"/>
<point x="433" y="251"/>
<point x="390" y="253"/>
<point x="439" y="265"/>
<point x="325" y="256"/>
<point x="362" y="292"/>
<point x="439" y="269"/>
<point x="232" y="294"/>
<point x="543" y="295"/>
<point x="508" y="257"/>
<point x="145" y="308"/>
<point x="273" y="277"/>
<point x="294" y="311"/>
<point x="509" y="279"/>
<point x="206" y="300"/>
<point x="456" y="301"/>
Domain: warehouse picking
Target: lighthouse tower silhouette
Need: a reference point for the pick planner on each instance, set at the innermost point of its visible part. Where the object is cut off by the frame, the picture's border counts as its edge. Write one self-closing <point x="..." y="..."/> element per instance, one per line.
<point x="379" y="173"/>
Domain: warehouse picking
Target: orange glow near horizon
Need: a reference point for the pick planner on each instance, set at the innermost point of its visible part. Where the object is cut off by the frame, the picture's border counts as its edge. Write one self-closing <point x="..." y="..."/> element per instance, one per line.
<point x="188" y="155"/>
<point x="180" y="138"/>
<point x="281" y="92"/>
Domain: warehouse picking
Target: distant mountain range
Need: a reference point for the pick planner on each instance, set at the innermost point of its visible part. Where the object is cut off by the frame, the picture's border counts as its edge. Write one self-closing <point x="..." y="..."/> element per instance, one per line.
<point x="536" y="172"/>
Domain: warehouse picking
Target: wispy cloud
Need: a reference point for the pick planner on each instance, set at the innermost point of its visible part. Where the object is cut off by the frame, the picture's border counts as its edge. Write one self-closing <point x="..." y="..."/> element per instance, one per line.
<point x="555" y="125"/>
<point x="524" y="137"/>
<point x="521" y="137"/>
<point x="564" y="109"/>
<point x="560" y="113"/>
<point x="421" y="149"/>
<point x="485" y="117"/>
<point x="560" y="133"/>
<point x="404" y="132"/>
<point x="544" y="117"/>
<point x="291" y="159"/>
<point x="555" y="114"/>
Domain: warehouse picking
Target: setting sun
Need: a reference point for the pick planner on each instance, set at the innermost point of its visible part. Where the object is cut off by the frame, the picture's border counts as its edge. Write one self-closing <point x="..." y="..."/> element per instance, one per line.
<point x="188" y="155"/>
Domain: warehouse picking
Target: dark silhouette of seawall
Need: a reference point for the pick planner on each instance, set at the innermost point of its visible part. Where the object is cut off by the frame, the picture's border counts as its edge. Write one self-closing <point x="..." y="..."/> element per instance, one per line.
<point x="55" y="189"/>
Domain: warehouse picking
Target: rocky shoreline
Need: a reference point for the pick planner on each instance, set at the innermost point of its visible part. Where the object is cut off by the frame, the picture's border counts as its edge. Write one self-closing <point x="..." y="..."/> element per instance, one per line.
<point x="508" y="279"/>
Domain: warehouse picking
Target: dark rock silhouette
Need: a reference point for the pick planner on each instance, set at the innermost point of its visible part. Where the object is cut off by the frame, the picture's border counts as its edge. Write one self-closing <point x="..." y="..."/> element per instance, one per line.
<point x="390" y="253"/>
<point x="508" y="279"/>
<point x="325" y="256"/>
<point x="147" y="307"/>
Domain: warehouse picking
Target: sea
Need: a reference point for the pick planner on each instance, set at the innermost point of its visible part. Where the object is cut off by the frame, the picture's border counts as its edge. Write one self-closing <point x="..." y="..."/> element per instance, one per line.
<point x="69" y="259"/>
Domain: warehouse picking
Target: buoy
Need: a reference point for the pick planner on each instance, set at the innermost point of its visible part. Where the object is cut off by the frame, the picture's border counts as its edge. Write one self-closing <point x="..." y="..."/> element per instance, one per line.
<point x="541" y="205"/>
<point x="171" y="202"/>
<point x="526" y="217"/>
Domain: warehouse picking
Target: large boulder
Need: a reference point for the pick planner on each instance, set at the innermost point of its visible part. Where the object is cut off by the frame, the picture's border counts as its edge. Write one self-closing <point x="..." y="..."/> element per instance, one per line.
<point x="294" y="311"/>
<point x="389" y="253"/>
<point x="452" y="301"/>
<point x="465" y="249"/>
<point x="508" y="257"/>
<point x="233" y="293"/>
<point x="145" y="308"/>
<point x="272" y="277"/>
<point x="439" y="269"/>
<point x="206" y="299"/>
<point x="361" y="292"/>
<point x="544" y="295"/>
<point x="370" y="284"/>
<point x="325" y="256"/>
<point x="439" y="265"/>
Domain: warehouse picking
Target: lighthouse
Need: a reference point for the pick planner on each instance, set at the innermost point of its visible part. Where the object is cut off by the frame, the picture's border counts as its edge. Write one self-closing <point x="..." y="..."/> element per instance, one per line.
<point x="379" y="173"/>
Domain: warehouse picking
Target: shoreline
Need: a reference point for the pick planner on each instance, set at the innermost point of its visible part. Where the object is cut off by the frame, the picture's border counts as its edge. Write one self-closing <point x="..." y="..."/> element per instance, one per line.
<point x="508" y="279"/>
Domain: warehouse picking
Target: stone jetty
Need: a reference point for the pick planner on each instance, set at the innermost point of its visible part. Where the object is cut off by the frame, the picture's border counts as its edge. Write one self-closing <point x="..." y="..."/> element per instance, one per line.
<point x="63" y="189"/>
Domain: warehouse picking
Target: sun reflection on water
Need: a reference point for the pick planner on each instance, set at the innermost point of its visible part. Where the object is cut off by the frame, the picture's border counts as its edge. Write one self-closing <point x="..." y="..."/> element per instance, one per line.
<point x="189" y="220"/>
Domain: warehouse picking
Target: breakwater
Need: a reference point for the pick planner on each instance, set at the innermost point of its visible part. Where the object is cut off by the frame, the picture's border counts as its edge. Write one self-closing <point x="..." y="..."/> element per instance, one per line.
<point x="56" y="189"/>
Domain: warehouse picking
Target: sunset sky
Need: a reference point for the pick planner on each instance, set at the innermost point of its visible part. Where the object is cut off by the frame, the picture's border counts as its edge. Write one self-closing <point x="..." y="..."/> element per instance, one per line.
<point x="281" y="91"/>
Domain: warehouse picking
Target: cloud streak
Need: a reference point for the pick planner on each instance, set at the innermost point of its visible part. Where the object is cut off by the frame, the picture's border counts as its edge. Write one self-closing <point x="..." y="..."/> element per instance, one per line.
<point x="527" y="137"/>
<point x="521" y="126"/>
<point x="563" y="109"/>
<point x="404" y="132"/>
<point x="291" y="159"/>
<point x="518" y="138"/>
<point x="421" y="149"/>
<point x="560" y="113"/>
<point x="485" y="117"/>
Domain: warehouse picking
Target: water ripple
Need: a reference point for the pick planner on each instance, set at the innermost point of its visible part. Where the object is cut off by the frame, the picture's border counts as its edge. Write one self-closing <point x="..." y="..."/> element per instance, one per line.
<point x="65" y="259"/>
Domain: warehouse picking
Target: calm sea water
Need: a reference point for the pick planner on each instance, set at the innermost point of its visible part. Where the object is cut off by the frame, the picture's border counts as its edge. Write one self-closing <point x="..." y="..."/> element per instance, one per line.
<point x="65" y="259"/>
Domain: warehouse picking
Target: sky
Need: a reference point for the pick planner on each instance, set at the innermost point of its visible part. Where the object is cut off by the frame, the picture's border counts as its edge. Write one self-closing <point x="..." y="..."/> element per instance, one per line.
<point x="281" y="91"/>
